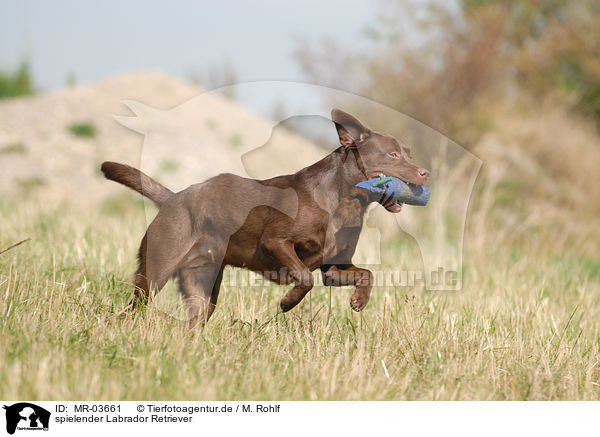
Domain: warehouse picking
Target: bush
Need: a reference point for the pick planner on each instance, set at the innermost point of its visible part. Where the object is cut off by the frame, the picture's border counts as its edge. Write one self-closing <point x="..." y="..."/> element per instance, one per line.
<point x="16" y="84"/>
<point x="84" y="130"/>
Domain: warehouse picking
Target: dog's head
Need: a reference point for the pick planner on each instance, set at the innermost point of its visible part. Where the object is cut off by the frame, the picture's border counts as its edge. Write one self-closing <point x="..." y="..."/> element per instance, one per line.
<point x="378" y="154"/>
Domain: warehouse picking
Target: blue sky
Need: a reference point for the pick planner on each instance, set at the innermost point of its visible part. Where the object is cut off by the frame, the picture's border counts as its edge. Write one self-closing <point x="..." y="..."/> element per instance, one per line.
<point x="105" y="38"/>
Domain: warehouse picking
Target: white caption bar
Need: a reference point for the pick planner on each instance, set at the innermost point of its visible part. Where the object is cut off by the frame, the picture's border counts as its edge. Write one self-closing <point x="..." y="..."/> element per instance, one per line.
<point x="20" y="418"/>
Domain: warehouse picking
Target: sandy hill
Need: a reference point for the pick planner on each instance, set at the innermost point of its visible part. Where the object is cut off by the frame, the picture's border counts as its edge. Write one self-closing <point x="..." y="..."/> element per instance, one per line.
<point x="52" y="144"/>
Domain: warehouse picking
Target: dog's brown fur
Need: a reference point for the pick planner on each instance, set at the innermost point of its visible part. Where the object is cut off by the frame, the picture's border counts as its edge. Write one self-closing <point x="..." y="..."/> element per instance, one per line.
<point x="283" y="228"/>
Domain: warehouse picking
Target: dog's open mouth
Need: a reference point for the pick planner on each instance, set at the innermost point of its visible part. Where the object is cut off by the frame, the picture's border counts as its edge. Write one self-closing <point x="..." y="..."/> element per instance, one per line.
<point x="392" y="206"/>
<point x="386" y="200"/>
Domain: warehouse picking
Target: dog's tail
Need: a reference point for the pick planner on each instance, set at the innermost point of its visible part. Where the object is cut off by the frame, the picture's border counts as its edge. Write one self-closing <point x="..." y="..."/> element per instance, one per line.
<point x="136" y="180"/>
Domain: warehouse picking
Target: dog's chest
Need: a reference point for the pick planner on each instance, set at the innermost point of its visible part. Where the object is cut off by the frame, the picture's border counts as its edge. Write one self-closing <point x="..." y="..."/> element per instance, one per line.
<point x="343" y="229"/>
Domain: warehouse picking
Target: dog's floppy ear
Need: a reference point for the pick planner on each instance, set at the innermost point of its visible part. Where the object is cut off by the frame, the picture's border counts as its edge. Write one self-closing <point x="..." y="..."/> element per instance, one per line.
<point x="350" y="130"/>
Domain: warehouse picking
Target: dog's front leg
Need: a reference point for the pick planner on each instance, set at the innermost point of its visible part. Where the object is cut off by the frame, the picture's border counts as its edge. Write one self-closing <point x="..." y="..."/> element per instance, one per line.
<point x="348" y="274"/>
<point x="283" y="251"/>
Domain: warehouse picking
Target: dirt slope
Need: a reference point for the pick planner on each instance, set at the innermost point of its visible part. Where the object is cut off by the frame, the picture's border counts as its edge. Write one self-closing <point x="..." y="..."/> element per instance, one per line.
<point x="190" y="136"/>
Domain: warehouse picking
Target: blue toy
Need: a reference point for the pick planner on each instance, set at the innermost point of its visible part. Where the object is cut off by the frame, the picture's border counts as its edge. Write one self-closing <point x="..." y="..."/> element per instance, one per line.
<point x="397" y="190"/>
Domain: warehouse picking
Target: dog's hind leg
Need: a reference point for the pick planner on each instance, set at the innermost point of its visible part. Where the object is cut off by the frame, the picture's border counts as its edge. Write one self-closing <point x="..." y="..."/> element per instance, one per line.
<point x="141" y="292"/>
<point x="215" y="293"/>
<point x="152" y="276"/>
<point x="161" y="251"/>
<point x="200" y="288"/>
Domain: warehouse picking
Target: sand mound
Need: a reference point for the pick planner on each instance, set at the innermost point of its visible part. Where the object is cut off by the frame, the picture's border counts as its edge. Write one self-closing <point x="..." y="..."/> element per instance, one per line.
<point x="52" y="144"/>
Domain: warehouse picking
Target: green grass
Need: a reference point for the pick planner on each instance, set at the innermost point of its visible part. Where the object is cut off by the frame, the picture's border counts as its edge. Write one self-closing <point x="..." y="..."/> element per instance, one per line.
<point x="525" y="326"/>
<point x="83" y="130"/>
<point x="236" y="140"/>
<point x="169" y="165"/>
<point x="27" y="185"/>
<point x="13" y="149"/>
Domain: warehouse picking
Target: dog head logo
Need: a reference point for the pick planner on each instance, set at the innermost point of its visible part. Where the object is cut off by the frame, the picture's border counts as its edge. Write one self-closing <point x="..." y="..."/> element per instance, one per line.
<point x="26" y="416"/>
<point x="209" y="135"/>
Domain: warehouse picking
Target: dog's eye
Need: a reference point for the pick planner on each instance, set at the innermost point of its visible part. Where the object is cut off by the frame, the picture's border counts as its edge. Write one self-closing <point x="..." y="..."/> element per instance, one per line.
<point x="394" y="155"/>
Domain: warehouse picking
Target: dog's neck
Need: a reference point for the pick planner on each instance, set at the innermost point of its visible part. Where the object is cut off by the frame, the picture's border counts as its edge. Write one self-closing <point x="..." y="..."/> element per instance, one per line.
<point x="350" y="166"/>
<point x="336" y="175"/>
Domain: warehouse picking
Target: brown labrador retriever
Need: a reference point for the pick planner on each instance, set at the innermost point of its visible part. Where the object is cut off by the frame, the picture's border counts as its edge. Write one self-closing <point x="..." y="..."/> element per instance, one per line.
<point x="283" y="228"/>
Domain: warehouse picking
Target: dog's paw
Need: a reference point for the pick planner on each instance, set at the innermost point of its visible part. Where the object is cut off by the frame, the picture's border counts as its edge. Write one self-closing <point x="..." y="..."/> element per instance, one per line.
<point x="287" y="304"/>
<point x="359" y="300"/>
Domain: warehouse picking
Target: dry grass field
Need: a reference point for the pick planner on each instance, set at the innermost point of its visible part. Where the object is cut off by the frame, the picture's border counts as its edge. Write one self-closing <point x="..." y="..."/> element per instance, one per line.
<point x="526" y="324"/>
